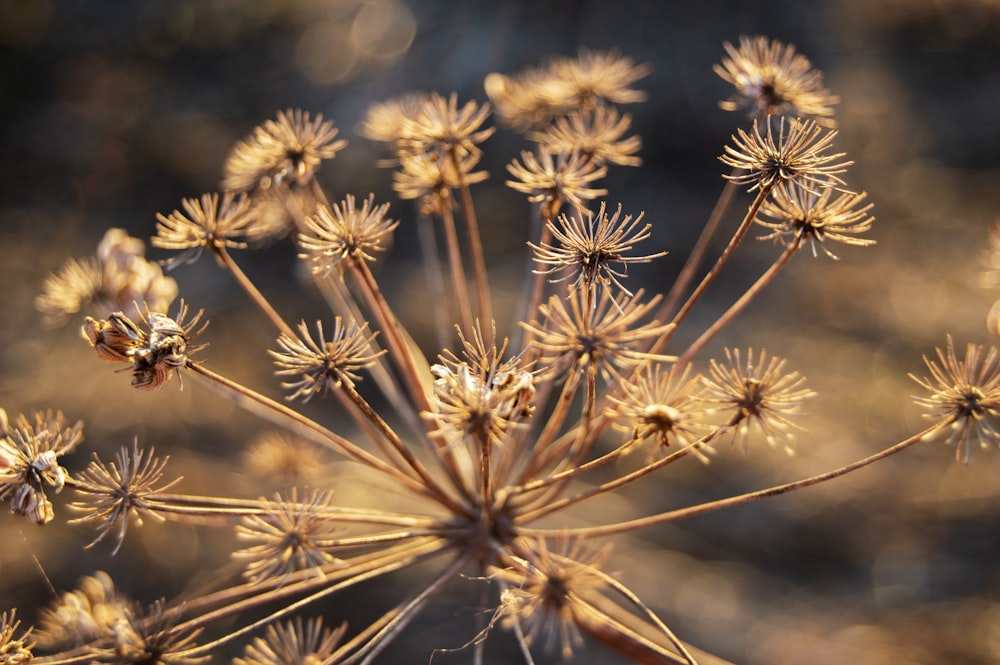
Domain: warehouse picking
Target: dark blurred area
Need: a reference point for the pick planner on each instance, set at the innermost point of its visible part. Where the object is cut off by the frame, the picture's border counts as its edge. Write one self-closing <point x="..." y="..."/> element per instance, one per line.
<point x="112" y="112"/>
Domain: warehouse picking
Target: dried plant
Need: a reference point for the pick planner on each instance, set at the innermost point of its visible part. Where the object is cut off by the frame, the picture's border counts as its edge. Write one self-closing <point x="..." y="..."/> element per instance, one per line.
<point x="501" y="444"/>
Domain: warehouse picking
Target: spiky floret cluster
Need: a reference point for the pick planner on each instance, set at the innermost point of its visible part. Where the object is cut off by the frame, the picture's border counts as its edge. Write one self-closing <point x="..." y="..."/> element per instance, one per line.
<point x="488" y="445"/>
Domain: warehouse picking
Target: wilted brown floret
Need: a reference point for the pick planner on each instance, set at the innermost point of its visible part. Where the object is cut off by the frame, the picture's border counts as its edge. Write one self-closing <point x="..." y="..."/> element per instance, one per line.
<point x="589" y="251"/>
<point x="113" y="494"/>
<point x="964" y="394"/>
<point x="801" y="215"/>
<point x="288" y="536"/>
<point x="595" y="133"/>
<point x="481" y="395"/>
<point x="293" y="643"/>
<point x="343" y="231"/>
<point x="14" y="649"/>
<point x="756" y="395"/>
<point x="77" y="617"/>
<point x="552" y="180"/>
<point x="797" y="152"/>
<point x="287" y="150"/>
<point x="208" y="224"/>
<point x="115" y="279"/>
<point x="156" y="352"/>
<point x="321" y="365"/>
<point x="772" y="79"/>
<point x="29" y="461"/>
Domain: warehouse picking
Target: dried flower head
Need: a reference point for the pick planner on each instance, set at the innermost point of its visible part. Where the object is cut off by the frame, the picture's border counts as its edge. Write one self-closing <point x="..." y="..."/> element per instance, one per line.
<point x="324" y="365"/>
<point x="481" y="395"/>
<point x="149" y="637"/>
<point x="114" y="280"/>
<point x="771" y="78"/>
<point x="441" y="128"/>
<point x="385" y="121"/>
<point x="288" y="536"/>
<point x="83" y="615"/>
<point x="801" y="215"/>
<point x="594" y="77"/>
<point x="591" y="251"/>
<point x="596" y="133"/>
<point x="796" y="152"/>
<point x="552" y="180"/>
<point x="293" y="643"/>
<point x="207" y="224"/>
<point x="528" y="99"/>
<point x="344" y="232"/>
<point x="162" y="348"/>
<point x="431" y="179"/>
<point x="113" y="494"/>
<point x="662" y="406"/>
<point x="14" y="649"/>
<point x="546" y="592"/>
<point x="289" y="459"/>
<point x="601" y="333"/>
<point x="287" y="150"/>
<point x="756" y="395"/>
<point x="29" y="461"/>
<point x="965" y="395"/>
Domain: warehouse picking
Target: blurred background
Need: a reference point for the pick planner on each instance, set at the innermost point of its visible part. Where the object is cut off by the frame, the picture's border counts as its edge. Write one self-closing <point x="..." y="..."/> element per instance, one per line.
<point x="112" y="112"/>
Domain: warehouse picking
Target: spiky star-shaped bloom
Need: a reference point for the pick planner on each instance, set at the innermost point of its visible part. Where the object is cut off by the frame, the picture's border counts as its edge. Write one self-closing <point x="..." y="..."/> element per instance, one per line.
<point x="293" y="643"/>
<point x="320" y="364"/>
<point x="283" y="151"/>
<point x="343" y="231"/>
<point x="756" y="394"/>
<point x="596" y="133"/>
<point x="801" y="215"/>
<point x="206" y="223"/>
<point x="552" y="179"/>
<point x="771" y="78"/>
<point x="113" y="494"/>
<point x="964" y="394"/>
<point x="594" y="251"/>
<point x="602" y="333"/>
<point x="797" y="151"/>
<point x="441" y="127"/>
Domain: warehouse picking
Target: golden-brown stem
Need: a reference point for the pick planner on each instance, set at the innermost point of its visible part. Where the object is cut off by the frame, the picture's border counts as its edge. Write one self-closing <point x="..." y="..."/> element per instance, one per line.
<point x="475" y="243"/>
<point x="457" y="268"/>
<point x="740" y="303"/>
<point x="749" y="497"/>
<point x="227" y="261"/>
<point x="697" y="254"/>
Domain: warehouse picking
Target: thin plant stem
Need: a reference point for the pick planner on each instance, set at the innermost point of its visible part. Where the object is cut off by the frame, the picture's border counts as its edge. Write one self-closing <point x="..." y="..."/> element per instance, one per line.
<point x="740" y="303"/>
<point x="697" y="254"/>
<point x="457" y="267"/>
<point x="749" y="497"/>
<point x="241" y="278"/>
<point x="475" y="243"/>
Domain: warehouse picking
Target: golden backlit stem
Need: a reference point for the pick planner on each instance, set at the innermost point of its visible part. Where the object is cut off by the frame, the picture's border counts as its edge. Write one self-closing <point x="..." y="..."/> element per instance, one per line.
<point x="227" y="261"/>
<point x="281" y="415"/>
<point x="397" y="445"/>
<point x="475" y="242"/>
<point x="390" y="328"/>
<point x="740" y="303"/>
<point x="749" y="497"/>
<point x="457" y="268"/>
<point x="706" y="281"/>
<point x="697" y="254"/>
<point x="372" y="570"/>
